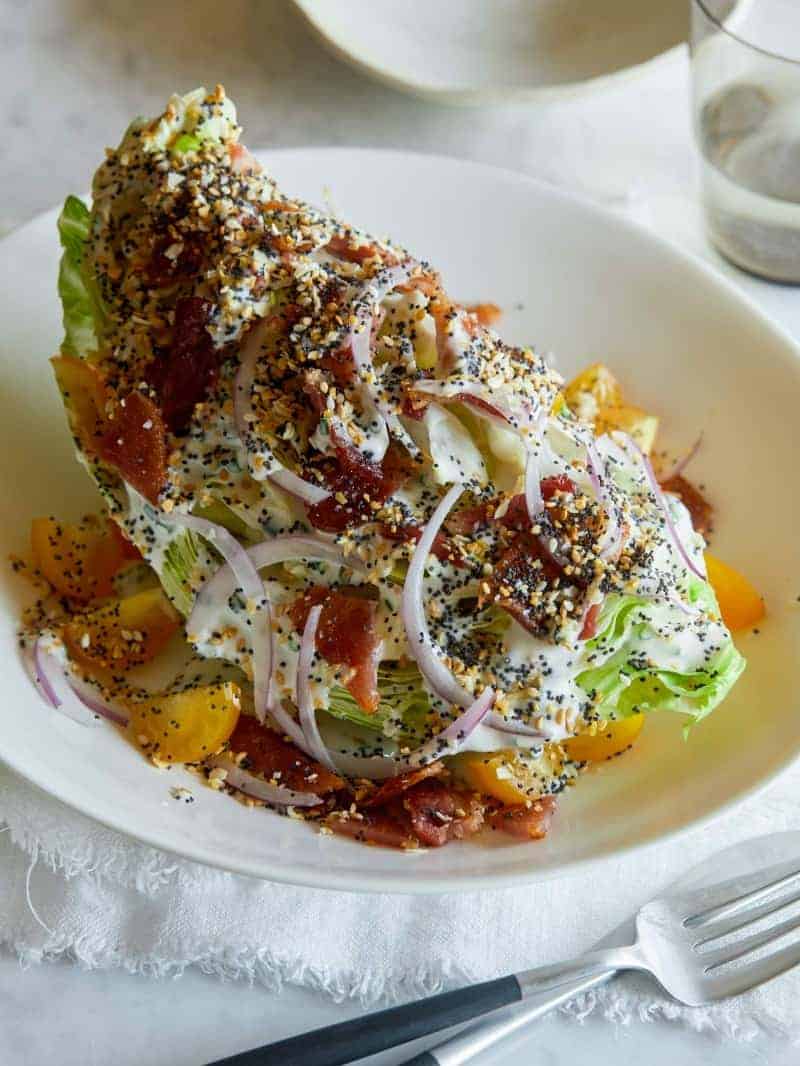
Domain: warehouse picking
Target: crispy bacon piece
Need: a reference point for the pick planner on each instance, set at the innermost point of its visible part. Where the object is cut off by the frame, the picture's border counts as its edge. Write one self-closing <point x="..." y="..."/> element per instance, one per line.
<point x="340" y="366"/>
<point x="374" y="827"/>
<point x="442" y="548"/>
<point x="135" y="443"/>
<point x="439" y="813"/>
<point x="515" y="574"/>
<point x="162" y="269"/>
<point x="346" y="636"/>
<point x="360" y="483"/>
<point x="528" y="823"/>
<point x="700" y="510"/>
<point x="190" y="368"/>
<point x="471" y="519"/>
<point x="424" y="811"/>
<point x="590" y="623"/>
<point x="558" y="483"/>
<point x="272" y="756"/>
<point x="396" y="786"/>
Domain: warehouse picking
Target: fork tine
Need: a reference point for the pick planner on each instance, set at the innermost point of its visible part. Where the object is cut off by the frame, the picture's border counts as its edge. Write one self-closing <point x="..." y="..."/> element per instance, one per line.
<point x="757" y="973"/>
<point x="726" y="898"/>
<point x="716" y="929"/>
<point x="739" y="948"/>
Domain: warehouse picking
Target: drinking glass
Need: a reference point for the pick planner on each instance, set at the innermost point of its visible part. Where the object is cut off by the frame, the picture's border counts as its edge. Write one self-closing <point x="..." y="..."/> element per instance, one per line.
<point x="745" y="58"/>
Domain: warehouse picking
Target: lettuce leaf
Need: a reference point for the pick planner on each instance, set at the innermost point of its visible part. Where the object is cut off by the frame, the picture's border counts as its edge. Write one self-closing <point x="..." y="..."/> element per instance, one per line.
<point x="77" y="303"/>
<point x="404" y="704"/>
<point x="628" y="683"/>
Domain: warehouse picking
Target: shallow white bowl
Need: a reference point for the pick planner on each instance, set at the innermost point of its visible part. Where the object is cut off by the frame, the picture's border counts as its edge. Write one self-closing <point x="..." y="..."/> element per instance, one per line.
<point x="575" y="280"/>
<point x="494" y="51"/>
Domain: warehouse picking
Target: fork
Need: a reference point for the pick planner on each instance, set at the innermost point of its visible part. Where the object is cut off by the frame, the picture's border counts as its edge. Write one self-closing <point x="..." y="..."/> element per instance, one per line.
<point x="694" y="942"/>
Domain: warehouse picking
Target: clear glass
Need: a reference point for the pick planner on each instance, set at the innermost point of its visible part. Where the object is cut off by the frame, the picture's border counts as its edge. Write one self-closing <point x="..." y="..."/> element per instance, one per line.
<point x="746" y="108"/>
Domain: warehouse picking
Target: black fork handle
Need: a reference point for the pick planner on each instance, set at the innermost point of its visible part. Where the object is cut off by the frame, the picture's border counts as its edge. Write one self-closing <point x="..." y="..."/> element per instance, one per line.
<point x="335" y="1045"/>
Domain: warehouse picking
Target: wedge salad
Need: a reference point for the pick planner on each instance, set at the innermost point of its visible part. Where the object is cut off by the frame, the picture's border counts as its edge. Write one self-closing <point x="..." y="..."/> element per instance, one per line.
<point x="422" y="583"/>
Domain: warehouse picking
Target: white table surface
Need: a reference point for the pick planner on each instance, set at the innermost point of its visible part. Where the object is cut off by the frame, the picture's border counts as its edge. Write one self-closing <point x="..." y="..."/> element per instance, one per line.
<point x="75" y="72"/>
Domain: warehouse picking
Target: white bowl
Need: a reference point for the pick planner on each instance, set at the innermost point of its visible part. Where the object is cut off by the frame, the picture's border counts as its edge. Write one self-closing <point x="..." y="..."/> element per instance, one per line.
<point x="494" y="51"/>
<point x="575" y="280"/>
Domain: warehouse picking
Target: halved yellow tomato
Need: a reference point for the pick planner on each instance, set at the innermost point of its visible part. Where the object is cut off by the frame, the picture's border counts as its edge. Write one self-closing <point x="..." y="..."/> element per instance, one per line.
<point x="124" y="633"/>
<point x="185" y="726"/>
<point x="613" y="739"/>
<point x="79" y="560"/>
<point x="507" y="775"/>
<point x="85" y="395"/>
<point x="740" y="604"/>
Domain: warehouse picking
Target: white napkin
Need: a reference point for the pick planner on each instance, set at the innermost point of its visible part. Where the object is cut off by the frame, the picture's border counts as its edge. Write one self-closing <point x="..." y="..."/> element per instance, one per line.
<point x="69" y="887"/>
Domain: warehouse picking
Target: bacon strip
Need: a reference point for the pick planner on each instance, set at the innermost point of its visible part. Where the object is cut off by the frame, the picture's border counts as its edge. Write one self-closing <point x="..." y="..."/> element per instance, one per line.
<point x="346" y="636"/>
<point x="273" y="757"/>
<point x="135" y="443"/>
<point x="527" y="823"/>
<point x="360" y="484"/>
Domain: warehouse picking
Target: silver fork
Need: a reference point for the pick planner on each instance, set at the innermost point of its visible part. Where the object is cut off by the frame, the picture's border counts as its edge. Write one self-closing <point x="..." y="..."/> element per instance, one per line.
<point x="701" y="945"/>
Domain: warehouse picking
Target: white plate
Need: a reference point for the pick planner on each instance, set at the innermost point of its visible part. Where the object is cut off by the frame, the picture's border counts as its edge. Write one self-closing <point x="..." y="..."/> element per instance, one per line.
<point x="575" y="280"/>
<point x="493" y="51"/>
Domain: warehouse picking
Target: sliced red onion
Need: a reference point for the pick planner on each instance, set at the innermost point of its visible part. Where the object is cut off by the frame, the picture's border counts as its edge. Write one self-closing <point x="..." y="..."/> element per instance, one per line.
<point x="503" y="411"/>
<point x="681" y="464"/>
<point x="505" y="725"/>
<point x="534" y="501"/>
<point x="613" y="534"/>
<point x="45" y="676"/>
<point x="304" y="698"/>
<point x="252" y="586"/>
<point x="655" y="488"/>
<point x="297" y="486"/>
<point x="242" y="411"/>
<point x="452" y="739"/>
<point x="360" y="339"/>
<point x="259" y="789"/>
<point x="66" y="693"/>
<point x="461" y="727"/>
<point x="371" y="767"/>
<point x="91" y="699"/>
<point x="426" y="654"/>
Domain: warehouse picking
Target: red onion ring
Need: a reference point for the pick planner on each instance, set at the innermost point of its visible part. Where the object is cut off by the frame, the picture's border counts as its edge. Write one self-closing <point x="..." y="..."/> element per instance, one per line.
<point x="304" y="699"/>
<point x="425" y="653"/>
<point x="259" y="789"/>
<point x="681" y="464"/>
<point x="658" y="495"/>
<point x="252" y="586"/>
<point x="455" y="735"/>
<point x="298" y="487"/>
<point x="360" y="339"/>
<point x="65" y="693"/>
<point x="96" y="705"/>
<point x="519" y="729"/>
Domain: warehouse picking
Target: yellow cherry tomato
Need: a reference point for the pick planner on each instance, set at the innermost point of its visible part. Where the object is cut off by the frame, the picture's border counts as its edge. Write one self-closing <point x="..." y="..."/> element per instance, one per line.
<point x="124" y="633"/>
<point x="615" y="738"/>
<point x="185" y="726"/>
<point x="739" y="602"/>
